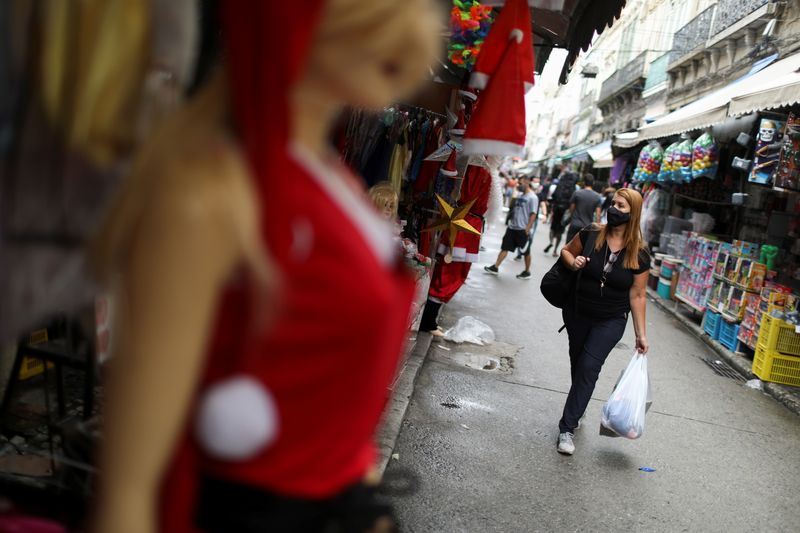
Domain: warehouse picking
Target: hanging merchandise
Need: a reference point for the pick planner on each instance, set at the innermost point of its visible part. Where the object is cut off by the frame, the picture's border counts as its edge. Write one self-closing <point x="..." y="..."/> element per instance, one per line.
<point x="705" y="157"/>
<point x="649" y="164"/>
<point x="665" y="175"/>
<point x="768" y="148"/>
<point x="469" y="24"/>
<point x="505" y="68"/>
<point x="788" y="174"/>
<point x="682" y="162"/>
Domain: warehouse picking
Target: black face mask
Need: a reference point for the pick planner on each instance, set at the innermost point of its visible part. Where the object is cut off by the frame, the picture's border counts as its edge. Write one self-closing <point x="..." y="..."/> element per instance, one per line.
<point x="615" y="217"/>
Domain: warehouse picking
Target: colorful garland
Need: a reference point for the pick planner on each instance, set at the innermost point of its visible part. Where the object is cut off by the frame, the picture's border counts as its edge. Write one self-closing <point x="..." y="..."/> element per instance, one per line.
<point x="470" y="23"/>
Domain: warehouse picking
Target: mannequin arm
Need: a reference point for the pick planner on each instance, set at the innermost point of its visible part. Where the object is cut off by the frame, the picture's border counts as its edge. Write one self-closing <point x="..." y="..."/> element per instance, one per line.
<point x="186" y="244"/>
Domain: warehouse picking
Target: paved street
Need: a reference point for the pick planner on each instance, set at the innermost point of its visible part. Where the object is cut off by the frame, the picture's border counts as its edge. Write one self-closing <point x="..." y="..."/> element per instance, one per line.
<point x="482" y="442"/>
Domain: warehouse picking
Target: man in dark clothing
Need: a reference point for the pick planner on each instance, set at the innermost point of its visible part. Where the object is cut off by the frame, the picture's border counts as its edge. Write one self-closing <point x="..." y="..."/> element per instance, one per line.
<point x="567" y="183"/>
<point x="585" y="206"/>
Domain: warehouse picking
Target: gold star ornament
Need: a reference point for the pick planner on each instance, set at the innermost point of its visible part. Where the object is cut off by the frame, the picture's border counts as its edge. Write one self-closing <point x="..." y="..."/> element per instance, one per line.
<point x="452" y="221"/>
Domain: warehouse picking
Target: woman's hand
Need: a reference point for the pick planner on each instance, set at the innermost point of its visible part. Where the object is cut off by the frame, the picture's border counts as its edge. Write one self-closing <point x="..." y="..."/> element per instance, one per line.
<point x="642" y="346"/>
<point x="580" y="262"/>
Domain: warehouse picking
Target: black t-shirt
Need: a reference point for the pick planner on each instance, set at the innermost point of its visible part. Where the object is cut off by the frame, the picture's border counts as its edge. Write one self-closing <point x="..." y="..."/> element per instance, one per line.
<point x="614" y="300"/>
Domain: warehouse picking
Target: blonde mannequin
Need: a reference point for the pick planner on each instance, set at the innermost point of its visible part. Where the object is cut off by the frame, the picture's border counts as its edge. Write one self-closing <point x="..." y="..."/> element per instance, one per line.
<point x="190" y="220"/>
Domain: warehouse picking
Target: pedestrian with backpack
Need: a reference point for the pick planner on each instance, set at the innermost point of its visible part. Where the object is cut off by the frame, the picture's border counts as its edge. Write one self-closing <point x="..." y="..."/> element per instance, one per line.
<point x="567" y="185"/>
<point x="613" y="266"/>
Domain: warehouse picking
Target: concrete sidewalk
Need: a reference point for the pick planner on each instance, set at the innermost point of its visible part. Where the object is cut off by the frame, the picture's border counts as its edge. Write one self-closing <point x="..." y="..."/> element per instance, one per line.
<point x="481" y="428"/>
<point x="788" y="396"/>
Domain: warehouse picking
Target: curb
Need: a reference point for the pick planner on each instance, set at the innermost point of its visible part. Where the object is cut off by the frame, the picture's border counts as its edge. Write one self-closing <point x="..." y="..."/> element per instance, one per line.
<point x="740" y="363"/>
<point x="402" y="391"/>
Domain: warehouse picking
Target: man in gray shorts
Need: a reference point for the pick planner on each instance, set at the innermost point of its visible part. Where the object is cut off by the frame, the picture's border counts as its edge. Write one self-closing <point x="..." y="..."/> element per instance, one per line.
<point x="520" y="225"/>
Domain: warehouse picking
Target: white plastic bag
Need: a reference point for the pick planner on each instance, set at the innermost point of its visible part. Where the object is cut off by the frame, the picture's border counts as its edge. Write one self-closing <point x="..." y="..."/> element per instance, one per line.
<point x="470" y="329"/>
<point x="624" y="412"/>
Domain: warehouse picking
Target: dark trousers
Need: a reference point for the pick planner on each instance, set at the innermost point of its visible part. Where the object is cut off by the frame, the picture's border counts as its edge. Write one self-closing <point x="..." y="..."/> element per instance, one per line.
<point x="590" y="342"/>
<point x="227" y="506"/>
<point x="430" y="316"/>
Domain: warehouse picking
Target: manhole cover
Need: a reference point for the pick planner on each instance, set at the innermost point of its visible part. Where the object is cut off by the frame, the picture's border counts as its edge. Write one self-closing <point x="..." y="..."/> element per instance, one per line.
<point x="721" y="368"/>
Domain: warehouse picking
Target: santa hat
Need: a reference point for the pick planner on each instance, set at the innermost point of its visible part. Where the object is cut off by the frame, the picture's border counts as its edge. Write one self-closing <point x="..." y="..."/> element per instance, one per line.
<point x="513" y="22"/>
<point x="497" y="127"/>
<point x="460" y="125"/>
<point x="449" y="168"/>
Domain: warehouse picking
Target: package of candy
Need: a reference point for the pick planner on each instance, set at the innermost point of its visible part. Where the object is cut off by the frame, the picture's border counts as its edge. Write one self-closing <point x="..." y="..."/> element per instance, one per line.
<point x="649" y="164"/>
<point x="682" y="162"/>
<point x="705" y="157"/>
<point x="667" y="171"/>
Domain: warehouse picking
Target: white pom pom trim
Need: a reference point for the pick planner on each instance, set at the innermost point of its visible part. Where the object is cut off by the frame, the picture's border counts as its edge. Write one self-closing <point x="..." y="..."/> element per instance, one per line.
<point x="236" y="419"/>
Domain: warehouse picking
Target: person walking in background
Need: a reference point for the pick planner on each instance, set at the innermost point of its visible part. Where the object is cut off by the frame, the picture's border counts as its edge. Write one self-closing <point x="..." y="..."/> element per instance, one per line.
<point x="585" y="206"/>
<point x="520" y="225"/>
<point x="567" y="184"/>
<point x="608" y="197"/>
<point x="612" y="285"/>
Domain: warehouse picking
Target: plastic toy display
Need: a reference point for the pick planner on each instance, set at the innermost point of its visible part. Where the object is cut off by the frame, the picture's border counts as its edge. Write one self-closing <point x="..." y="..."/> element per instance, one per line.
<point x="788" y="173"/>
<point x="682" y="162"/>
<point x="705" y="157"/>
<point x="667" y="172"/>
<point x="649" y="164"/>
<point x="768" y="148"/>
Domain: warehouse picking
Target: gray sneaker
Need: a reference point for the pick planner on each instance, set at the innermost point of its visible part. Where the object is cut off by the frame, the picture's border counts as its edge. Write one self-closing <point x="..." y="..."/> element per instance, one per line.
<point x="565" y="444"/>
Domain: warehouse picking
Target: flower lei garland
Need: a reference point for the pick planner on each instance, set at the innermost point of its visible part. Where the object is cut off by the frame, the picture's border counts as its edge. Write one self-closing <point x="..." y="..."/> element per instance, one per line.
<point x="470" y="23"/>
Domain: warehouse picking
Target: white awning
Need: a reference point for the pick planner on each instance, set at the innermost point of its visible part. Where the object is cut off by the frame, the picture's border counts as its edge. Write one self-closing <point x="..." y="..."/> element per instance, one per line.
<point x="628" y="139"/>
<point x="777" y="86"/>
<point x="773" y="86"/>
<point x="601" y="155"/>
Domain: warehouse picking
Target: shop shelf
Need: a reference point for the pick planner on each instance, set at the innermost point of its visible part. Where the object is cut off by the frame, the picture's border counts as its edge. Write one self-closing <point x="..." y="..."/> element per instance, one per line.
<point x="778" y="336"/>
<point x="712" y="323"/>
<point x="775" y="367"/>
<point x="728" y="335"/>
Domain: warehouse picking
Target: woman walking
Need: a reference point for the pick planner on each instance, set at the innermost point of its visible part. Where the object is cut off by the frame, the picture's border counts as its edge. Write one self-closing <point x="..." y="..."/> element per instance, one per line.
<point x="613" y="284"/>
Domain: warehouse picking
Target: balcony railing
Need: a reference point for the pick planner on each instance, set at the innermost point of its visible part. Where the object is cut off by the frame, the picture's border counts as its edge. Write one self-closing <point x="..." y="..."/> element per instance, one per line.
<point x="657" y="73"/>
<point x="694" y="34"/>
<point x="731" y="11"/>
<point x="630" y="74"/>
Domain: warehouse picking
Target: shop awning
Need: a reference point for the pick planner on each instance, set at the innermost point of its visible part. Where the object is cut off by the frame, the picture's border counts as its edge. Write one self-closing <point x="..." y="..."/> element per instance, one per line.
<point x="778" y="86"/>
<point x="628" y="139"/>
<point x="715" y="107"/>
<point x="601" y="155"/>
<point x="579" y="152"/>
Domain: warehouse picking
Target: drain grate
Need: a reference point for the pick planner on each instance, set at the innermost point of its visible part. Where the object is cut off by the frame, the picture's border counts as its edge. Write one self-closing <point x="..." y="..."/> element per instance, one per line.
<point x="721" y="368"/>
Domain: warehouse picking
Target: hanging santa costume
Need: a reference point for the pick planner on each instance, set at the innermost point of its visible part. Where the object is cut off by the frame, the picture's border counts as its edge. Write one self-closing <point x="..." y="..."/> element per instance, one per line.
<point x="285" y="416"/>
<point x="504" y="70"/>
<point x="448" y="278"/>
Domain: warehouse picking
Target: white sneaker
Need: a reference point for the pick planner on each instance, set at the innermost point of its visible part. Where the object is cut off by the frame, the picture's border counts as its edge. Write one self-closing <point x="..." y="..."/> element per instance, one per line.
<point x="565" y="444"/>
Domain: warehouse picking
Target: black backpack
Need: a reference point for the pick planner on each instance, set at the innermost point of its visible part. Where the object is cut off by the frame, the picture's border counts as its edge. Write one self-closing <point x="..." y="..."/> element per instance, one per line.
<point x="558" y="284"/>
<point x="565" y="189"/>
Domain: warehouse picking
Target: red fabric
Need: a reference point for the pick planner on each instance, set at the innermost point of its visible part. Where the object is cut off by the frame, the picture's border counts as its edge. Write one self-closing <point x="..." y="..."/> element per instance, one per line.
<point x="500" y="115"/>
<point x="447" y="279"/>
<point x="514" y="15"/>
<point x="329" y="381"/>
<point x="477" y="184"/>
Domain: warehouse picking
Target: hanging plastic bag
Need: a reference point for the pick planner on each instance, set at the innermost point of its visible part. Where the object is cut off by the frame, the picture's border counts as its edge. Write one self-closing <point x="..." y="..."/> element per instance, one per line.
<point x="470" y="329"/>
<point x="705" y="157"/>
<point x="624" y="412"/>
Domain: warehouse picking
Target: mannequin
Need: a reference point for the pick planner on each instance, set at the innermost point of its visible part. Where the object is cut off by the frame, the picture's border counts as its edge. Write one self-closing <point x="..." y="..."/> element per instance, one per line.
<point x="209" y="249"/>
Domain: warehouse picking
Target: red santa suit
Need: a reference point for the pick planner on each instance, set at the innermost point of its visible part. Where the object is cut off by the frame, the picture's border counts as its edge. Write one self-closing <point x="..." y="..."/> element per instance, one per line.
<point x="448" y="278"/>
<point x="291" y="410"/>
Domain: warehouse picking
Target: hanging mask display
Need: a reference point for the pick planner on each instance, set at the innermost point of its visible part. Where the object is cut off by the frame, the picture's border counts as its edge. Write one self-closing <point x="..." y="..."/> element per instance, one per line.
<point x="768" y="148"/>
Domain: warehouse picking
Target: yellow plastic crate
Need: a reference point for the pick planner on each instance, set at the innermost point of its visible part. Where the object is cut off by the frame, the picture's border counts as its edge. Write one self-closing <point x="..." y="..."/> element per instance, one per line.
<point x="31" y="366"/>
<point x="776" y="367"/>
<point x="778" y="336"/>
